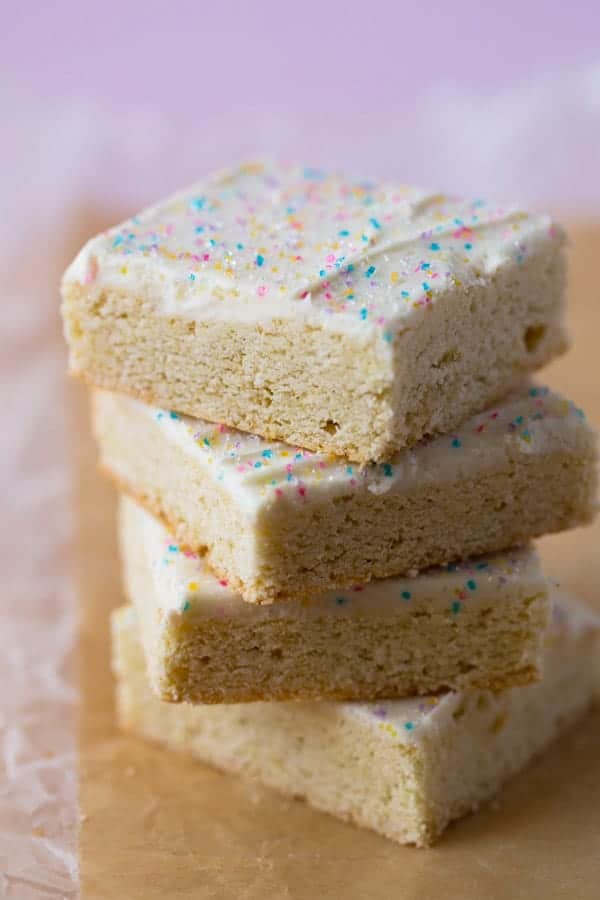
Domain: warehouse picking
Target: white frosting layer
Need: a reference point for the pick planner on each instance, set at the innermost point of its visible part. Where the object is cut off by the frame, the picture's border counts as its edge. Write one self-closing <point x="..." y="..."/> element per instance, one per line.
<point x="412" y="719"/>
<point x="275" y="240"/>
<point x="530" y="423"/>
<point x="187" y="588"/>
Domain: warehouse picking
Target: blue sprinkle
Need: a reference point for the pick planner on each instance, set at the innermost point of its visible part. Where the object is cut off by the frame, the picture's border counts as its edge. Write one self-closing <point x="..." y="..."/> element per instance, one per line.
<point x="425" y="266"/>
<point x="370" y="271"/>
<point x="456" y="607"/>
<point x="173" y="415"/>
<point x="409" y="726"/>
<point x="468" y="246"/>
<point x="349" y="470"/>
<point x="118" y="240"/>
<point x="406" y="595"/>
<point x="267" y="454"/>
<point x="259" y="260"/>
<point x="456" y="442"/>
<point x="481" y="565"/>
<point x="191" y="276"/>
<point x="388" y="470"/>
<point x="173" y="548"/>
<point x="206" y="442"/>
<point x="341" y="600"/>
<point x="364" y="313"/>
<point x="426" y="286"/>
<point x="472" y="585"/>
<point x="322" y="273"/>
<point x="350" y="267"/>
<point x="239" y="246"/>
<point x="533" y="392"/>
<point x="344" y="232"/>
<point x="375" y="223"/>
<point x="405" y="293"/>
<point x="388" y="336"/>
<point x="364" y="238"/>
<point x="257" y="464"/>
<point x="198" y="202"/>
<point x="199" y="229"/>
<point x="185" y="606"/>
<point x="434" y="246"/>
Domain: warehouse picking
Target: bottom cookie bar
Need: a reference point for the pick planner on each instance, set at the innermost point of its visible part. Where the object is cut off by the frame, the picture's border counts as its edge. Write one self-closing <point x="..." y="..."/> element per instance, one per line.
<point x="472" y="625"/>
<point x="405" y="768"/>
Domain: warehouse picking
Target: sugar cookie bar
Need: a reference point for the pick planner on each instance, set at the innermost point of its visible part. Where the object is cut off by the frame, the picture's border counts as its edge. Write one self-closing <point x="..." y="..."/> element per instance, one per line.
<point x="404" y="768"/>
<point x="476" y="625"/>
<point x="349" y="317"/>
<point x="279" y="522"/>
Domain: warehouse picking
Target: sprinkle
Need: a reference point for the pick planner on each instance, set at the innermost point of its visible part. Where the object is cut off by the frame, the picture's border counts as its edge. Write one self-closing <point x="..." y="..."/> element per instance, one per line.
<point x="456" y="442"/>
<point x="259" y="260"/>
<point x="472" y="585"/>
<point x="343" y="233"/>
<point x="341" y="600"/>
<point x="375" y="224"/>
<point x="388" y="470"/>
<point x="364" y="313"/>
<point x="455" y="609"/>
<point x="193" y="586"/>
<point x="434" y="246"/>
<point x="370" y="271"/>
<point x="409" y="726"/>
<point x="186" y="606"/>
<point x="406" y="595"/>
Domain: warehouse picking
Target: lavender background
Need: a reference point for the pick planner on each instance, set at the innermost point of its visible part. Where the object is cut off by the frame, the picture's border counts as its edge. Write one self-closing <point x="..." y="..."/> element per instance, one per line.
<point x="501" y="98"/>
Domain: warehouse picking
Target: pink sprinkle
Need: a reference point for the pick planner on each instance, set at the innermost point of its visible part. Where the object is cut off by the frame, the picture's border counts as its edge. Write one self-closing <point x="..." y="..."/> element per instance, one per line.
<point x="223" y="582"/>
<point x="169" y="229"/>
<point x="92" y="271"/>
<point x="206" y="257"/>
<point x="330" y="257"/>
<point x="279" y="492"/>
<point x="261" y="290"/>
<point x="302" y="490"/>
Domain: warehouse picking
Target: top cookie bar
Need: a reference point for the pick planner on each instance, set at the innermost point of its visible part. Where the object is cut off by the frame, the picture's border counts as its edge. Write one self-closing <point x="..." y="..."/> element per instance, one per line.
<point x="350" y="317"/>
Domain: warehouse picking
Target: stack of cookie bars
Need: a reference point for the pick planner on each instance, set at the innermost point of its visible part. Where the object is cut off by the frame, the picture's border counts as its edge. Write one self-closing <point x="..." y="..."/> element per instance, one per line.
<point x="314" y="396"/>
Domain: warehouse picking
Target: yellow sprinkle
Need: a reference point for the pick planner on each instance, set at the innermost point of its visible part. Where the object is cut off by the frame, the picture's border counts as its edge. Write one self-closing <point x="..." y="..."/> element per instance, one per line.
<point x="192" y="586"/>
<point x="394" y="277"/>
<point x="123" y="270"/>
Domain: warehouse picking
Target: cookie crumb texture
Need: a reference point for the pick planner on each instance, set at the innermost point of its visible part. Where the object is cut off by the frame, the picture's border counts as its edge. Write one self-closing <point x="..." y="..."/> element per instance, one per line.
<point x="403" y="768"/>
<point x="346" y="317"/>
<point x="476" y="625"/>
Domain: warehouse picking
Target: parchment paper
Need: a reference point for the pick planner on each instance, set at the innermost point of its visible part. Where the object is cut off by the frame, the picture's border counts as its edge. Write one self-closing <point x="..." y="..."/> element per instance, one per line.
<point x="158" y="825"/>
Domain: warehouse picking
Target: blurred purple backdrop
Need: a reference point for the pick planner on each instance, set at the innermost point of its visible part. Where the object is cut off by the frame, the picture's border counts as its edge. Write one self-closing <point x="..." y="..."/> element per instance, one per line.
<point x="312" y="58"/>
<point x="501" y="98"/>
